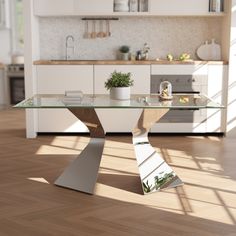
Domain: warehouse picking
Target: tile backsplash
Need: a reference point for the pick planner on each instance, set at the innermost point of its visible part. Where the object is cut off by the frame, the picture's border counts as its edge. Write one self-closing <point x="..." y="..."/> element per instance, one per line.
<point x="164" y="35"/>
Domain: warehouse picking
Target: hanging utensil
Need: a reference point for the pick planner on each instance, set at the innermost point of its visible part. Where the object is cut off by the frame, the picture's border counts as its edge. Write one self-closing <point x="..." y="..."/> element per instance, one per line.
<point x="93" y="34"/>
<point x="86" y="31"/>
<point x="103" y="31"/>
<point x="108" y="27"/>
<point x="100" y="34"/>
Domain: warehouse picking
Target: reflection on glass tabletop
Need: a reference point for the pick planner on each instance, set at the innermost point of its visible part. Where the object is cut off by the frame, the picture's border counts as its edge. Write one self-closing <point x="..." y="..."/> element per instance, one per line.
<point x="179" y="101"/>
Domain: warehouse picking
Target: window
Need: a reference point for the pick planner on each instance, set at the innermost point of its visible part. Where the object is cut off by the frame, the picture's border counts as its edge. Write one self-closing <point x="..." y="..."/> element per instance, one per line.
<point x="18" y="26"/>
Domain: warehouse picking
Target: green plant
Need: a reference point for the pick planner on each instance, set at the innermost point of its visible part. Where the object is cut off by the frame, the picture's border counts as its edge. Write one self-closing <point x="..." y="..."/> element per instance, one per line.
<point x="124" y="49"/>
<point x="147" y="187"/>
<point x="119" y="79"/>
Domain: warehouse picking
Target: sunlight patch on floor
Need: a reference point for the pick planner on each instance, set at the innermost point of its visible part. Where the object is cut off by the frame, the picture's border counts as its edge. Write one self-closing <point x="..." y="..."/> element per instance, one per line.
<point x="155" y="201"/>
<point x="186" y="200"/>
<point x="64" y="146"/>
<point x="200" y="171"/>
<point x="40" y="180"/>
<point x="51" y="150"/>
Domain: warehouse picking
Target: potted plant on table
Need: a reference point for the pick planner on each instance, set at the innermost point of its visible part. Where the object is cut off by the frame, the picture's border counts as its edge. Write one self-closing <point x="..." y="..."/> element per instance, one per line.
<point x="119" y="85"/>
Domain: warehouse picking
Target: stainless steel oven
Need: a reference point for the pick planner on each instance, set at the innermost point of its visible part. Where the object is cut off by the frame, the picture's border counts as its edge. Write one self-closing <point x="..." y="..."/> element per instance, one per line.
<point x="182" y="84"/>
<point x="16" y="83"/>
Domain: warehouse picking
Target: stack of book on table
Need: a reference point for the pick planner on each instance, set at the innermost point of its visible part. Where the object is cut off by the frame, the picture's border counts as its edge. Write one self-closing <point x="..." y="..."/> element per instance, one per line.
<point x="73" y="97"/>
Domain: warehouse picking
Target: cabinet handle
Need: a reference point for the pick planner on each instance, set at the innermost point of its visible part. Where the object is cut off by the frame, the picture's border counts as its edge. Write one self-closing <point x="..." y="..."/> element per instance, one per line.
<point x="192" y="80"/>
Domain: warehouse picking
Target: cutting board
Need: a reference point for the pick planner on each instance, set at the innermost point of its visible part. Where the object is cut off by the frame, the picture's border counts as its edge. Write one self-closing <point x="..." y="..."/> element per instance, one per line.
<point x="209" y="52"/>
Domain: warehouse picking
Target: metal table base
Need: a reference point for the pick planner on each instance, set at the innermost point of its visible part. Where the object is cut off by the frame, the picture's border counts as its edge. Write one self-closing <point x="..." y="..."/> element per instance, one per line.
<point x="82" y="173"/>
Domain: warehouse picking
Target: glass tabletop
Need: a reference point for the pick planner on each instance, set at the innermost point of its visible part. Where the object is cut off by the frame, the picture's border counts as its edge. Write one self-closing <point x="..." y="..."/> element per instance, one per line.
<point x="179" y="101"/>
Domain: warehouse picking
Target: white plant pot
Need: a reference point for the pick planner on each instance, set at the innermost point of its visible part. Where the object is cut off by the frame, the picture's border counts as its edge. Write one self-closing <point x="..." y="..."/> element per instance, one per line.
<point x="124" y="56"/>
<point x="120" y="93"/>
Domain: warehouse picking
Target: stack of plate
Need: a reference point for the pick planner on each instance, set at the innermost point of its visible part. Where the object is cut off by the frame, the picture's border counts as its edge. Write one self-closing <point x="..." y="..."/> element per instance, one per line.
<point x="210" y="51"/>
<point x="121" y="5"/>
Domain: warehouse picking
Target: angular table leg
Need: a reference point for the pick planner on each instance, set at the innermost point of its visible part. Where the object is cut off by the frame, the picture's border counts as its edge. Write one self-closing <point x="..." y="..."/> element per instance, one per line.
<point x="82" y="173"/>
<point x="155" y="173"/>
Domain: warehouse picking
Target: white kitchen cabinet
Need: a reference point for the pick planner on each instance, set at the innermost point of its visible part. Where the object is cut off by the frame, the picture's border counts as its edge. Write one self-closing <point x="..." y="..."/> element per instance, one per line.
<point x="93" y="7"/>
<point x="120" y="120"/>
<point x="139" y="73"/>
<point x="105" y="7"/>
<point x="179" y="7"/>
<point x="217" y="87"/>
<point x="55" y="80"/>
<point x="53" y="7"/>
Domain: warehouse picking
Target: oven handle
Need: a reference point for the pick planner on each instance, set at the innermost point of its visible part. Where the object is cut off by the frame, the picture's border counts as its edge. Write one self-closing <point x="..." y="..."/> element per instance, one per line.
<point x="186" y="92"/>
<point x="188" y="109"/>
<point x="9" y="75"/>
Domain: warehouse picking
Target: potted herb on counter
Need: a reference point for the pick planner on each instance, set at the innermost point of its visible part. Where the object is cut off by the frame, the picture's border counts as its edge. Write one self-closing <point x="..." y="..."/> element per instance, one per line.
<point x="124" y="52"/>
<point x="119" y="85"/>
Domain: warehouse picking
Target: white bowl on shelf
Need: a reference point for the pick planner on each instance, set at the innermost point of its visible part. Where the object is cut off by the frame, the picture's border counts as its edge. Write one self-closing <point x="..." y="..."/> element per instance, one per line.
<point x="121" y="6"/>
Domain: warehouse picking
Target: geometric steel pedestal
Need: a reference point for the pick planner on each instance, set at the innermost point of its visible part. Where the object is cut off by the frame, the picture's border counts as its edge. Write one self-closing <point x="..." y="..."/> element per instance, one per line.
<point x="155" y="173"/>
<point x="82" y="173"/>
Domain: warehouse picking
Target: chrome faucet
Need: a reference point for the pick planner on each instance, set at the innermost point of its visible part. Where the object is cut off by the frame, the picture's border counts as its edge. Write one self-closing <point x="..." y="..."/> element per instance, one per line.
<point x="70" y="47"/>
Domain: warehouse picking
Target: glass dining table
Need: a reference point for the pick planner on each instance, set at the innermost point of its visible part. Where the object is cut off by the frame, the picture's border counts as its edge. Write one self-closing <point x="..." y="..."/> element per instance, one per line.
<point x="155" y="173"/>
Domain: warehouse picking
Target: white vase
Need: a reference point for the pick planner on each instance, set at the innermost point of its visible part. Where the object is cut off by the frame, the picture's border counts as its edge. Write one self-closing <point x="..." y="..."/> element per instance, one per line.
<point x="124" y="56"/>
<point x="120" y="93"/>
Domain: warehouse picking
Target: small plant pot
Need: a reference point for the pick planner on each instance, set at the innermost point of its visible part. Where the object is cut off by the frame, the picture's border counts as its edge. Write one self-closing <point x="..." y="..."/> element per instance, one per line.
<point x="120" y="93"/>
<point x="124" y="56"/>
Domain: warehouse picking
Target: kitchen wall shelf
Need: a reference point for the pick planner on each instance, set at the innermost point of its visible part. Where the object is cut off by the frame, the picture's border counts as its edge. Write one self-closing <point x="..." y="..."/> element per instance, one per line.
<point x="142" y="6"/>
<point x="92" y="8"/>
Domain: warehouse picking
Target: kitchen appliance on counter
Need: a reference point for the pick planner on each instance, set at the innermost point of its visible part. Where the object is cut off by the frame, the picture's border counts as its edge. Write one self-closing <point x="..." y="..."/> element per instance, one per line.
<point x="16" y="84"/>
<point x="180" y="84"/>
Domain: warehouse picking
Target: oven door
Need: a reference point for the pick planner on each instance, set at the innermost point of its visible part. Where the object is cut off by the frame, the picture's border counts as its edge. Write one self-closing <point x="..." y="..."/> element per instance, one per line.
<point x="181" y="84"/>
<point x="16" y="87"/>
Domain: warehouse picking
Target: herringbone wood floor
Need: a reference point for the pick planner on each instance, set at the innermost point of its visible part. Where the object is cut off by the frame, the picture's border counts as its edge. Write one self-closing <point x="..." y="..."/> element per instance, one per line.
<point x="30" y="205"/>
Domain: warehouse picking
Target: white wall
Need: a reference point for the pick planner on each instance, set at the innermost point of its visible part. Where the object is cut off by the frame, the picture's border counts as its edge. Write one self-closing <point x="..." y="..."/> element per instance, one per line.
<point x="231" y="109"/>
<point x="5" y="46"/>
<point x="164" y="35"/>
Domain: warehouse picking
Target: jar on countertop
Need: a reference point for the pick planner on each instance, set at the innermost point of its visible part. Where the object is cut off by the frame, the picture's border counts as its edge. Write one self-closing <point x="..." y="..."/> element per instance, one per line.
<point x="166" y="90"/>
<point x="133" y="5"/>
<point x="121" y="5"/>
<point x="216" y="6"/>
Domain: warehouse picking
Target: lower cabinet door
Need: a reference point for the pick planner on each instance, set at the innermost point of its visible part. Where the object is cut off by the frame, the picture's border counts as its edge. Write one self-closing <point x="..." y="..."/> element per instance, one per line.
<point x="182" y="121"/>
<point x="56" y="80"/>
<point x="118" y="120"/>
<point x="59" y="120"/>
<point x="121" y="120"/>
<point x="179" y="128"/>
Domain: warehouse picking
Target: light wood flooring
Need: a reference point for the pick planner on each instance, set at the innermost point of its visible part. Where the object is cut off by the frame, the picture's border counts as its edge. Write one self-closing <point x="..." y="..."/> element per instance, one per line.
<point x="31" y="205"/>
